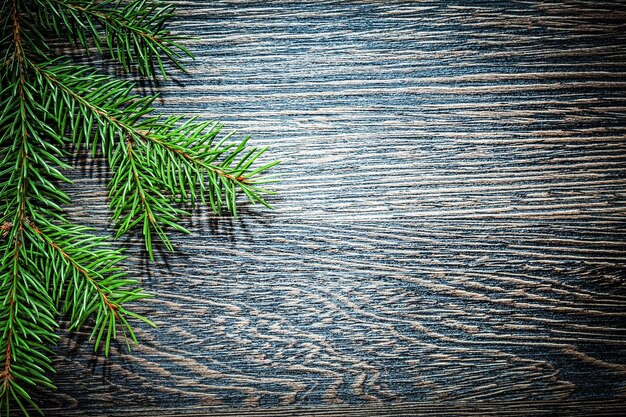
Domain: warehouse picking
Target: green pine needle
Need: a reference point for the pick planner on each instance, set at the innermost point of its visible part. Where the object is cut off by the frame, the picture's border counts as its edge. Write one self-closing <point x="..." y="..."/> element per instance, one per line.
<point x="49" y="266"/>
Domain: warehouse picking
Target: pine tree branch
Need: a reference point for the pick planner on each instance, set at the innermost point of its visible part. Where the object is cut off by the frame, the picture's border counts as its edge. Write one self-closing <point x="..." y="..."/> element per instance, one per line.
<point x="78" y="268"/>
<point x="127" y="26"/>
<point x="99" y="268"/>
<point x="49" y="266"/>
<point x="27" y="163"/>
<point x="131" y="131"/>
<point x="28" y="328"/>
<point x="23" y="290"/>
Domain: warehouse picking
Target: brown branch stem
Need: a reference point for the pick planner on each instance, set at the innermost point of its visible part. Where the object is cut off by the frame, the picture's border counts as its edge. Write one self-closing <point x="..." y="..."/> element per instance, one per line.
<point x="6" y="375"/>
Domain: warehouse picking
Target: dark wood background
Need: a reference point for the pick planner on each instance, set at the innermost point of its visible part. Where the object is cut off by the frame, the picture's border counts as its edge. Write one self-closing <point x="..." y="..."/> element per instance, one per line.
<point x="450" y="233"/>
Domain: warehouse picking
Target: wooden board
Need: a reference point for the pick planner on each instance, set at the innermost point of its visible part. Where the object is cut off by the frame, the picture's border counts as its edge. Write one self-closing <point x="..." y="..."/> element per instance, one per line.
<point x="449" y="235"/>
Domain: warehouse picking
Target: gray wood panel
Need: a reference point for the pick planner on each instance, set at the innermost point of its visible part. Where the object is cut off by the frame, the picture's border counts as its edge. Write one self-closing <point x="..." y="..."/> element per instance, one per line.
<point x="449" y="236"/>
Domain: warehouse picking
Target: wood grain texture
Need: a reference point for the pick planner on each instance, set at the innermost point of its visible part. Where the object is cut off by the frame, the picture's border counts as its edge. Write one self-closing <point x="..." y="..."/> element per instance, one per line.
<point x="450" y="233"/>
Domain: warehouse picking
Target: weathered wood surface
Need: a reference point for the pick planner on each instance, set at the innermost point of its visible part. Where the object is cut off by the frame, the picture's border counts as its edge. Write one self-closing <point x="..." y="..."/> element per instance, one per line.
<point x="450" y="233"/>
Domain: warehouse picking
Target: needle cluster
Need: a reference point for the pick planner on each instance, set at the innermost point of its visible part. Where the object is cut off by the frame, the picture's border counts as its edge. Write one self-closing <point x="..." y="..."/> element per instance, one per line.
<point x="51" y="105"/>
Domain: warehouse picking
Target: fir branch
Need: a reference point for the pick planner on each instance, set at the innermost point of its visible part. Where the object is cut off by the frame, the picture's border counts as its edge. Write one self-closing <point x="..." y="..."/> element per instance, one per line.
<point x="176" y="157"/>
<point x="132" y="32"/>
<point x="48" y="265"/>
<point x="27" y="322"/>
<point x="97" y="283"/>
<point x="27" y="319"/>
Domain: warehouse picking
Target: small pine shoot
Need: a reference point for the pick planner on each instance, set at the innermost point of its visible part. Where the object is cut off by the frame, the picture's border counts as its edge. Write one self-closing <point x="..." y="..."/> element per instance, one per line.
<point x="50" y="267"/>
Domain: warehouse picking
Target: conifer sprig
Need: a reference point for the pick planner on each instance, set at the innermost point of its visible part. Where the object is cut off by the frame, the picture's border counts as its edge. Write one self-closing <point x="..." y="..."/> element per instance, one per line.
<point x="132" y="32"/>
<point x="160" y="165"/>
